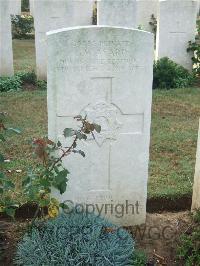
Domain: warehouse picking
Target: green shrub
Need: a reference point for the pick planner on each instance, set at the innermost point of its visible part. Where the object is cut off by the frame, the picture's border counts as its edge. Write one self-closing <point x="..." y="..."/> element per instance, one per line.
<point x="188" y="250"/>
<point x="169" y="75"/>
<point x="27" y="77"/>
<point x="41" y="85"/>
<point x="22" y="27"/>
<point x="20" y="80"/>
<point x="75" y="239"/>
<point x="10" y="84"/>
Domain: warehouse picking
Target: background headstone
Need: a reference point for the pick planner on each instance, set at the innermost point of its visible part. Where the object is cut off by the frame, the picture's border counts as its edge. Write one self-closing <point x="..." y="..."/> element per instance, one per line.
<point x="198" y="7"/>
<point x="117" y="13"/>
<point x="15" y="6"/>
<point x="196" y="186"/>
<point x="145" y="9"/>
<point x="176" y="27"/>
<point x="31" y="7"/>
<point x="53" y="14"/>
<point x="6" y="53"/>
<point x="105" y="73"/>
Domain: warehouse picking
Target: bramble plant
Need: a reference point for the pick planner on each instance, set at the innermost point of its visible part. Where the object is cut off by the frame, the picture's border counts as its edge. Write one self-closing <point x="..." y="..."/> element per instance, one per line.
<point x="48" y="172"/>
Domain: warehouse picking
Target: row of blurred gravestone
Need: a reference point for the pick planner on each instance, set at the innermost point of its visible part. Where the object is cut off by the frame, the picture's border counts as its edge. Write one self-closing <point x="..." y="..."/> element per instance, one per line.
<point x="175" y="28"/>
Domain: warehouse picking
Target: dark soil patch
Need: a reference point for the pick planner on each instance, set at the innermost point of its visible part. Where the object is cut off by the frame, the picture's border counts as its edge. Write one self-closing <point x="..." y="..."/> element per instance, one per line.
<point x="159" y="237"/>
<point x="169" y="204"/>
<point x="10" y="234"/>
<point x="29" y="87"/>
<point x="154" y="205"/>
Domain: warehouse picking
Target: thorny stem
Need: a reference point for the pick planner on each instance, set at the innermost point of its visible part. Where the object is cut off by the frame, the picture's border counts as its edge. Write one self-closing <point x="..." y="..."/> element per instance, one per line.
<point x="69" y="148"/>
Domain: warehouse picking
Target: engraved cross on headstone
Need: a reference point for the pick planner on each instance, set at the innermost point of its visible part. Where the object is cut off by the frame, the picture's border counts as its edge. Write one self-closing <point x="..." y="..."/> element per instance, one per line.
<point x="111" y="118"/>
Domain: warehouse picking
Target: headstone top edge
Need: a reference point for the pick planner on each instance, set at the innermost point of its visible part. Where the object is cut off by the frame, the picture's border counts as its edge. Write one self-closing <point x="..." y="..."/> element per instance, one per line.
<point x="50" y="33"/>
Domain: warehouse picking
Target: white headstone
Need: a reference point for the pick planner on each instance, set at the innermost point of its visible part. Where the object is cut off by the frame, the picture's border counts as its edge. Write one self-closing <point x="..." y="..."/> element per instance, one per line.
<point x="198" y="7"/>
<point x="196" y="186"/>
<point x="106" y="74"/>
<point x="53" y="14"/>
<point x="6" y="54"/>
<point x="117" y="13"/>
<point x="15" y="6"/>
<point x="31" y="7"/>
<point x="176" y="27"/>
<point x="145" y="10"/>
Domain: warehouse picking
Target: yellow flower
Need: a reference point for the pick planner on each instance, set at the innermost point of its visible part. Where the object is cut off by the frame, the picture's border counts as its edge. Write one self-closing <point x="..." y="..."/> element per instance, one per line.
<point x="53" y="211"/>
<point x="53" y="208"/>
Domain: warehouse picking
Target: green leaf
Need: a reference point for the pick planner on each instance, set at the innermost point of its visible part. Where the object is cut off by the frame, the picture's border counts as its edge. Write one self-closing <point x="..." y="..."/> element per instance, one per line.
<point x="26" y="181"/>
<point x="68" y="132"/>
<point x="16" y="130"/>
<point x="80" y="152"/>
<point x="1" y="158"/>
<point x="80" y="135"/>
<point x="9" y="184"/>
<point x="97" y="128"/>
<point x="61" y="181"/>
<point x="1" y="190"/>
<point x="2" y="175"/>
<point x="45" y="183"/>
<point x="59" y="144"/>
<point x="63" y="206"/>
<point x="2" y="137"/>
<point x="10" y="211"/>
<point x="44" y="202"/>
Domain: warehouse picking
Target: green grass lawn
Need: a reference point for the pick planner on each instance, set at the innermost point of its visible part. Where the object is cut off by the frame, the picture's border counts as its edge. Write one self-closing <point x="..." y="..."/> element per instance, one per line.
<point x="173" y="136"/>
<point x="24" y="55"/>
<point x="175" y="116"/>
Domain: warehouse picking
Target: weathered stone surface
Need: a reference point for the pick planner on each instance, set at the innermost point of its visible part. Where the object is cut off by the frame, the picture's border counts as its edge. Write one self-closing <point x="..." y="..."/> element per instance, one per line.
<point x="106" y="74"/>
<point x="196" y="186"/>
<point x="117" y="13"/>
<point x="6" y="54"/>
<point x="15" y="6"/>
<point x="176" y="27"/>
<point x="145" y="9"/>
<point x="53" y="14"/>
<point x="31" y="7"/>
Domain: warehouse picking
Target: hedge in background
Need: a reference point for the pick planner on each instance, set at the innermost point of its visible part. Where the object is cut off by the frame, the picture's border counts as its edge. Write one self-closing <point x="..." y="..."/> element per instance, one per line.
<point x="20" y="81"/>
<point x="22" y="27"/>
<point x="169" y="75"/>
<point x="76" y="239"/>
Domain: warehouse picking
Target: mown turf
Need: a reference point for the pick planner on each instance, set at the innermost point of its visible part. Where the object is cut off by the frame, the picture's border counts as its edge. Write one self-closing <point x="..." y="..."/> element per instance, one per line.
<point x="175" y="120"/>
<point x="173" y="136"/>
<point x="26" y="111"/>
<point x="24" y="55"/>
<point x="175" y="115"/>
